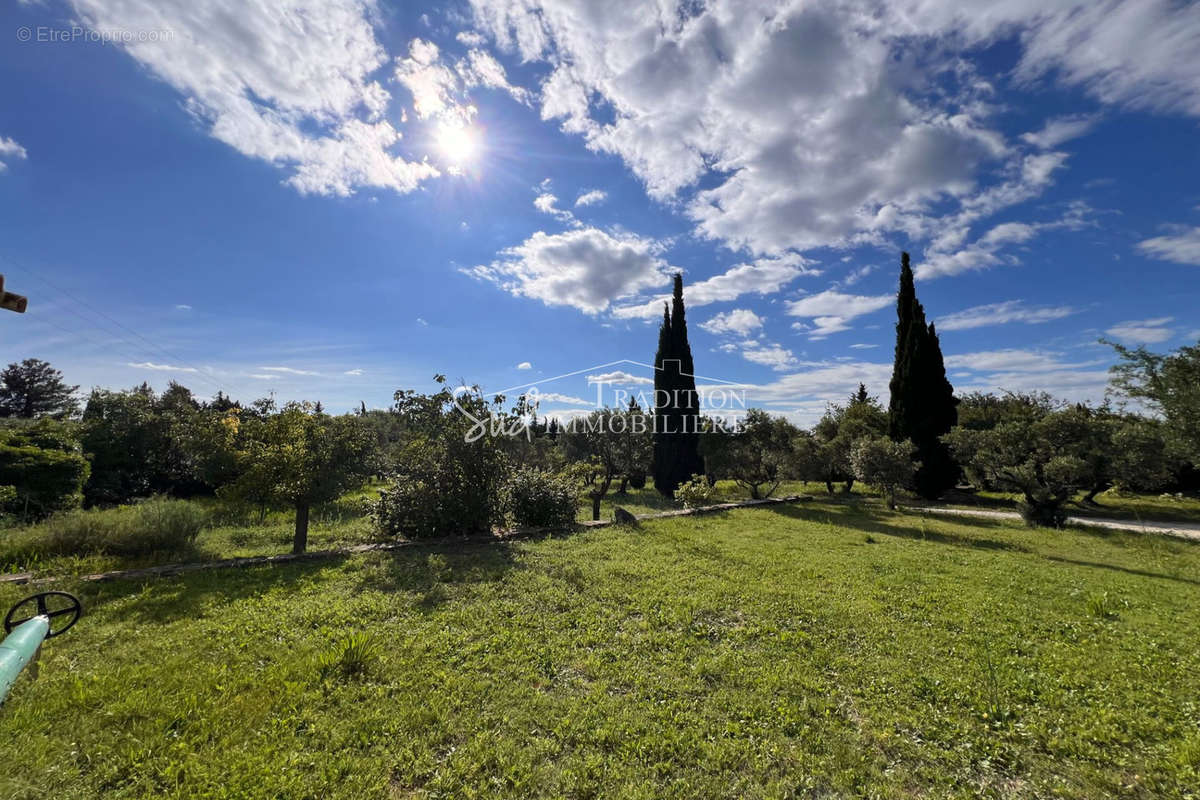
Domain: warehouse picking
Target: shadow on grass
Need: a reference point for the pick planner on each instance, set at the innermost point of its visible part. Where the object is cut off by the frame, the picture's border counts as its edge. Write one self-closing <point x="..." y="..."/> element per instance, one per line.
<point x="859" y="516"/>
<point x="422" y="569"/>
<point x="1117" y="568"/>
<point x="854" y="514"/>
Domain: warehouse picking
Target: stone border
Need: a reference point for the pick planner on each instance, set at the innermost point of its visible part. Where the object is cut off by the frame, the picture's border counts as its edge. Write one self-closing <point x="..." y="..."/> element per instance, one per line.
<point x="516" y="534"/>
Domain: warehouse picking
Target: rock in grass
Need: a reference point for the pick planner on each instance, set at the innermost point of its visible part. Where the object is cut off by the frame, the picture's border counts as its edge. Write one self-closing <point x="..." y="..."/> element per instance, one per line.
<point x="623" y="517"/>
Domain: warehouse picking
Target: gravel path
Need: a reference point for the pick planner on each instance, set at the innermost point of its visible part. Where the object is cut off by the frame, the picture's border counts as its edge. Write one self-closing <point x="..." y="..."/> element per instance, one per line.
<point x="1182" y="530"/>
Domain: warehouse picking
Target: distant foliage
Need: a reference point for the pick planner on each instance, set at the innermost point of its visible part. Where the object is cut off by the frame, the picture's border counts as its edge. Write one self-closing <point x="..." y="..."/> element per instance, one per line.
<point x="1171" y="385"/>
<point x="756" y="455"/>
<point x="696" y="492"/>
<point x="825" y="455"/>
<point x="44" y="466"/>
<point x="535" y="498"/>
<point x="34" y="389"/>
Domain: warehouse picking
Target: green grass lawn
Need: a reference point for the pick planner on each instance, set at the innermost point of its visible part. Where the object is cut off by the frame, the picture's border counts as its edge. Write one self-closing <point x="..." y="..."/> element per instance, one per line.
<point x="820" y="650"/>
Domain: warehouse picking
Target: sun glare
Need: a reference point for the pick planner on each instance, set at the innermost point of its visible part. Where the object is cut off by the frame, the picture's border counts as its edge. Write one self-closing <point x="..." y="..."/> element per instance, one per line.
<point x="458" y="143"/>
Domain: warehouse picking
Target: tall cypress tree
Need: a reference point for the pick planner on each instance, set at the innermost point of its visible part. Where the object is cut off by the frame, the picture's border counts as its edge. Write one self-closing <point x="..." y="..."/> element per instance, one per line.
<point x="676" y="403"/>
<point x="922" y="406"/>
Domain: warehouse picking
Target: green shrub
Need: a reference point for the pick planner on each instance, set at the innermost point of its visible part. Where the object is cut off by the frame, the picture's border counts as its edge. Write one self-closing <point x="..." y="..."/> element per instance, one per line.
<point x="696" y="492"/>
<point x="534" y="498"/>
<point x="447" y="487"/>
<point x="158" y="524"/>
<point x="44" y="465"/>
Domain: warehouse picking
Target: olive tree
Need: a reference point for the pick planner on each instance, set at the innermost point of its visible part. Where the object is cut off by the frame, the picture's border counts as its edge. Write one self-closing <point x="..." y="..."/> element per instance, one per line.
<point x="1045" y="460"/>
<point x="595" y="443"/>
<point x="754" y="454"/>
<point x="884" y="463"/>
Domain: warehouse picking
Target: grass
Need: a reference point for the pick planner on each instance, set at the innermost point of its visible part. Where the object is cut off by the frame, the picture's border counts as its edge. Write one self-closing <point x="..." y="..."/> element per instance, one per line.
<point x="240" y="532"/>
<point x="819" y="650"/>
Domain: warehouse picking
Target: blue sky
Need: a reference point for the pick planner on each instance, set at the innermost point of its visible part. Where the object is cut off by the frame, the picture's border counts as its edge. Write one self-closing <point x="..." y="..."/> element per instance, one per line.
<point x="333" y="200"/>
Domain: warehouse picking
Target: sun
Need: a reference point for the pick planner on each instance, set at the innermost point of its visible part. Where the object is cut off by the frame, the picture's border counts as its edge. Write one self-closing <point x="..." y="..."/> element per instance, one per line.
<point x="459" y="143"/>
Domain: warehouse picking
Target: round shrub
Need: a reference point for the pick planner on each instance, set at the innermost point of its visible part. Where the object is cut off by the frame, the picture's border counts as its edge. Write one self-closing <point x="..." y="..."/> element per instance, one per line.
<point x="696" y="492"/>
<point x="534" y="498"/>
<point x="637" y="480"/>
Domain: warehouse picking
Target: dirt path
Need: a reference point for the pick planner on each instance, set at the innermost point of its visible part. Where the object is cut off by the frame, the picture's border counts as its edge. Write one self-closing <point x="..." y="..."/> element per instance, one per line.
<point x="1181" y="530"/>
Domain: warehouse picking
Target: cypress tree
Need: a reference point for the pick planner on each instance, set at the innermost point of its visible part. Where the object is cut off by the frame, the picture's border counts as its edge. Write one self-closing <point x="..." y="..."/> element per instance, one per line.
<point x="922" y="406"/>
<point x="676" y="403"/>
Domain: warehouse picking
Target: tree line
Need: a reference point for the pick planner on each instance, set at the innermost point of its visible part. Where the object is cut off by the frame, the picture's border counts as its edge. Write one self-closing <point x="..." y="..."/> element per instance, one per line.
<point x="118" y="446"/>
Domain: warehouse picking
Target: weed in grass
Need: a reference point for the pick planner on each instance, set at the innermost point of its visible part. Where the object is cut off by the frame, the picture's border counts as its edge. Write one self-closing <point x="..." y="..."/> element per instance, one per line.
<point x="869" y="539"/>
<point x="350" y="657"/>
<point x="995" y="709"/>
<point x="1102" y="606"/>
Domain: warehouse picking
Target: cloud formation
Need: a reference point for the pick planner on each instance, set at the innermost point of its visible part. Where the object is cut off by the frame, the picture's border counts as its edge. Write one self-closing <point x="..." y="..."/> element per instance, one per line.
<point x="9" y="148"/>
<point x="1182" y="247"/>
<point x="1000" y="314"/>
<point x="831" y="310"/>
<point x="585" y="268"/>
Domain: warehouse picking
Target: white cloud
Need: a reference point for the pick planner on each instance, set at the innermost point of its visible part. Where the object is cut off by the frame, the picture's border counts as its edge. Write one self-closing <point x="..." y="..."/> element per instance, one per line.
<point x="182" y="307"/>
<point x="288" y="84"/>
<point x="586" y="268"/>
<point x="739" y="321"/>
<point x="288" y="371"/>
<point x="546" y="203"/>
<point x="441" y="91"/>
<point x="762" y="276"/>
<point x="1000" y="314"/>
<point x="470" y="38"/>
<point x="9" y="148"/>
<point x="1012" y="360"/>
<point x="1061" y="129"/>
<point x="591" y="198"/>
<point x="831" y="310"/>
<point x="768" y="354"/>
<point x="556" y="397"/>
<point x="353" y="372"/>
<point x="160" y="367"/>
<point x="525" y="365"/>
<point x="1143" y="331"/>
<point x="1183" y="247"/>
<point x="863" y="346"/>
<point x="620" y="378"/>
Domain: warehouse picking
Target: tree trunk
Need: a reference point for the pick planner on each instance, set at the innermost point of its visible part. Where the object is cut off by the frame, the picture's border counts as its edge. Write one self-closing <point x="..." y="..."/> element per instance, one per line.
<point x="1090" y="497"/>
<point x="829" y="486"/>
<point x="596" y="507"/>
<point x="624" y="483"/>
<point x="849" y="485"/>
<point x="754" y="492"/>
<point x="300" y="540"/>
<point x="891" y="499"/>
